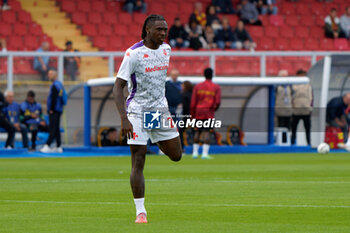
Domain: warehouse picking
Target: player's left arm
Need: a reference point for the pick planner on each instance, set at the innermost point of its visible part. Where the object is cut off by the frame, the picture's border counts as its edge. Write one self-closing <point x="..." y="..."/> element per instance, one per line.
<point x="217" y="98"/>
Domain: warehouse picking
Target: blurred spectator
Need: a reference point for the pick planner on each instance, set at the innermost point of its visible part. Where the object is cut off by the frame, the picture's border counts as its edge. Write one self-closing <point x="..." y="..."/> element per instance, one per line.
<point x="225" y="37"/>
<point x="195" y="32"/>
<point x="3" y="45"/>
<point x="332" y="25"/>
<point x="4" y="123"/>
<point x="32" y="116"/>
<point x="173" y="92"/>
<point x="198" y="15"/>
<point x="223" y="6"/>
<point x="243" y="37"/>
<point x="248" y="13"/>
<point x="186" y="95"/>
<point x="336" y="116"/>
<point x="345" y="22"/>
<point x="283" y="103"/>
<point x="135" y="5"/>
<point x="266" y="7"/>
<point x="5" y="5"/>
<point x="210" y="38"/>
<point x="111" y="138"/>
<point x="177" y="36"/>
<point x="12" y="112"/>
<point x="41" y="63"/>
<point x="55" y="103"/>
<point x="211" y="15"/>
<point x="71" y="64"/>
<point x="216" y="25"/>
<point x="302" y="101"/>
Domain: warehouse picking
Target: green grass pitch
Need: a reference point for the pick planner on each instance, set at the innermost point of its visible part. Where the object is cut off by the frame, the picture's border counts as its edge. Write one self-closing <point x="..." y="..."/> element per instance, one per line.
<point x="232" y="193"/>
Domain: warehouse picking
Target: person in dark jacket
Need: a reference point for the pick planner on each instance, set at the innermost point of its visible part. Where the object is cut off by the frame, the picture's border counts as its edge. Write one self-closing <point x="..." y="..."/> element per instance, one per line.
<point x="4" y="123"/>
<point x="31" y="113"/>
<point x="335" y="114"/>
<point x="225" y="37"/>
<point x="249" y="14"/>
<point x="223" y="6"/>
<point x="173" y="92"/>
<point x="55" y="105"/>
<point x="243" y="38"/>
<point x="13" y="112"/>
<point x="71" y="64"/>
<point x="178" y="37"/>
<point x="211" y="14"/>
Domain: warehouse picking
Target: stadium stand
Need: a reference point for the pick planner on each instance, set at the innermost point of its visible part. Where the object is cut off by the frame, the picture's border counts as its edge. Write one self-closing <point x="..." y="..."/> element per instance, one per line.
<point x="103" y="26"/>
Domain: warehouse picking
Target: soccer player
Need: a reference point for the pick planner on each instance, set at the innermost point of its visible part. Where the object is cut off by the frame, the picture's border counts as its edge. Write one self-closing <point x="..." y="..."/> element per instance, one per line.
<point x="206" y="99"/>
<point x="144" y="69"/>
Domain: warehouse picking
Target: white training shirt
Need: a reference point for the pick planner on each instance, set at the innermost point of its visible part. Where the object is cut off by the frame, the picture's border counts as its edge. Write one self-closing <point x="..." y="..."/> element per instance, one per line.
<point x="145" y="70"/>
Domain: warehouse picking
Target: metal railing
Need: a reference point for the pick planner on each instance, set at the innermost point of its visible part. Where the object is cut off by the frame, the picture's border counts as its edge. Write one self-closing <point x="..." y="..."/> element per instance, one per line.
<point x="111" y="55"/>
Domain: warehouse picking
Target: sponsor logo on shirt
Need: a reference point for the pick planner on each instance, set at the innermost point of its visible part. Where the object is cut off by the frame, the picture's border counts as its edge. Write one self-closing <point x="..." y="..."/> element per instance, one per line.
<point x="156" y="68"/>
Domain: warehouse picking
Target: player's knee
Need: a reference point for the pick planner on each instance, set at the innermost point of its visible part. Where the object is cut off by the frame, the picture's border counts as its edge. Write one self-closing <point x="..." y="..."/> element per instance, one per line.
<point x="176" y="157"/>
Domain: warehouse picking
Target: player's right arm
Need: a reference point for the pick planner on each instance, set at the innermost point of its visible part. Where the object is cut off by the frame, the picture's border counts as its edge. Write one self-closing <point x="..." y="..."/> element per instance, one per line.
<point x="126" y="126"/>
<point x="124" y="73"/>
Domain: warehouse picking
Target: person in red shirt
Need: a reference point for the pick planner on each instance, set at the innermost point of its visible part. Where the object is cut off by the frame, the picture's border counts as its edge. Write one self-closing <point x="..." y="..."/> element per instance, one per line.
<point x="205" y="101"/>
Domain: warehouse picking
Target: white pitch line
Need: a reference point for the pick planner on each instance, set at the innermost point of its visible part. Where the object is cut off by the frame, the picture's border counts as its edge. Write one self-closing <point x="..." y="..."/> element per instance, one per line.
<point x="33" y="181"/>
<point x="176" y="204"/>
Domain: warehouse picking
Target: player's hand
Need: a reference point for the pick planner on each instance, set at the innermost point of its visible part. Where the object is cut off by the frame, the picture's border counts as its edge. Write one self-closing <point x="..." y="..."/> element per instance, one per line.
<point x="127" y="129"/>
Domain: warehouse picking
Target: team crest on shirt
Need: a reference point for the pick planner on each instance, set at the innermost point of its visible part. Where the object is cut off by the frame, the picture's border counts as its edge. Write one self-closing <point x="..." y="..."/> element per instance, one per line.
<point x="145" y="55"/>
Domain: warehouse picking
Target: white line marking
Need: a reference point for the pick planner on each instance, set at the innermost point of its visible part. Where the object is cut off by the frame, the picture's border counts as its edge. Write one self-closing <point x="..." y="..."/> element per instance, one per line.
<point x="34" y="180"/>
<point x="175" y="204"/>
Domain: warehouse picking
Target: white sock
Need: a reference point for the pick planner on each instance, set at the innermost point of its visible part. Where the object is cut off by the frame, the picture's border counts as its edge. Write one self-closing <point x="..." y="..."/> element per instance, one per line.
<point x="140" y="205"/>
<point x="195" y="149"/>
<point x="205" y="150"/>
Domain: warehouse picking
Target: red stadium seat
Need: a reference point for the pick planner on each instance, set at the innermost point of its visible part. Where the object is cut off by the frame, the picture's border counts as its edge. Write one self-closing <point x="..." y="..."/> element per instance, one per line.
<point x="276" y="20"/>
<point x="288" y="8"/>
<point x="115" y="43"/>
<point x="68" y="6"/>
<point x="265" y="20"/>
<point x="15" y="5"/>
<point x="256" y="31"/>
<point x="84" y="6"/>
<point x="282" y="44"/>
<point x="307" y="20"/>
<point x="98" y="6"/>
<point x="20" y="29"/>
<point x="302" y="32"/>
<point x="23" y="66"/>
<point x="105" y="30"/>
<point x="100" y="42"/>
<point x="79" y="18"/>
<point x="140" y="18"/>
<point x="15" y="43"/>
<point x="94" y="17"/>
<point x="172" y="7"/>
<point x="292" y="20"/>
<point x="319" y="21"/>
<point x="89" y="29"/>
<point x="286" y="32"/>
<point x="5" y="29"/>
<point x="125" y="18"/>
<point x="303" y="9"/>
<point x="271" y="31"/>
<point x="31" y="43"/>
<point x="266" y="44"/>
<point x="35" y="29"/>
<point x="326" y="44"/>
<point x="24" y="17"/>
<point x="312" y="44"/>
<point x="318" y="9"/>
<point x="297" y="44"/>
<point x="110" y="17"/>
<point x="341" y="44"/>
<point x="9" y="17"/>
<point x="316" y="32"/>
<point x="121" y="29"/>
<point x="156" y="8"/>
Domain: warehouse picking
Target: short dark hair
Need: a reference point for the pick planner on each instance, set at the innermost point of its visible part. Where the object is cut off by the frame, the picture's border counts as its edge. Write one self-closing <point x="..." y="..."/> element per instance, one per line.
<point x="150" y="20"/>
<point x="333" y="9"/>
<point x="69" y="43"/>
<point x="31" y="94"/>
<point x="301" y="72"/>
<point x="208" y="73"/>
<point x="110" y="130"/>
